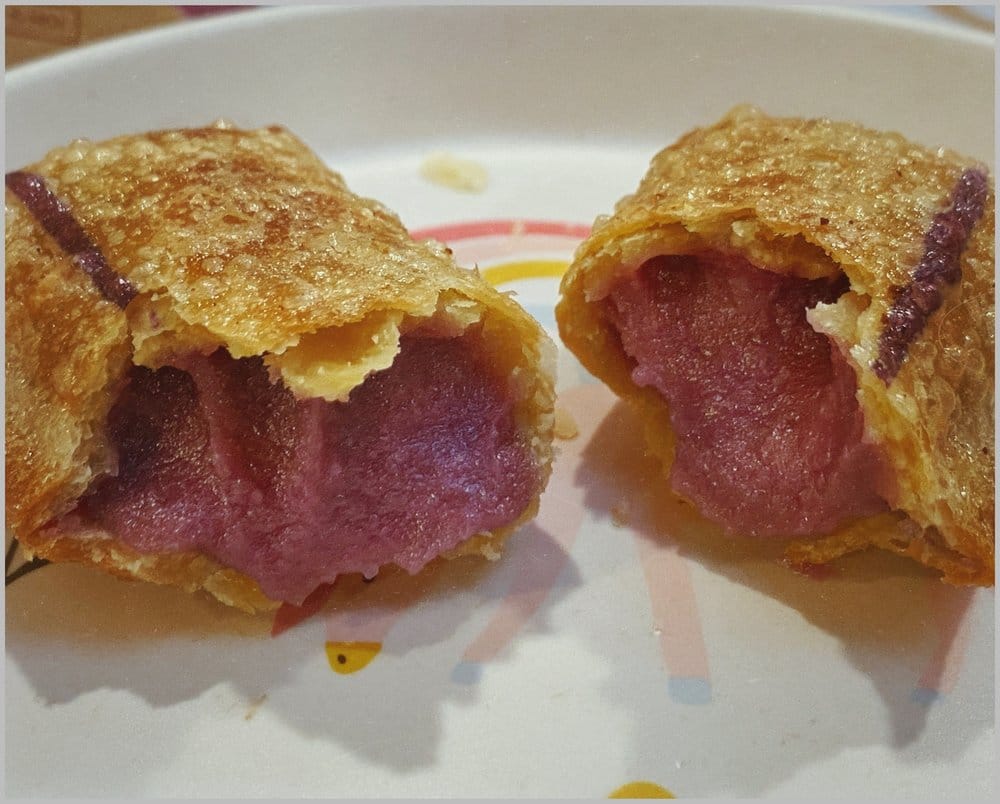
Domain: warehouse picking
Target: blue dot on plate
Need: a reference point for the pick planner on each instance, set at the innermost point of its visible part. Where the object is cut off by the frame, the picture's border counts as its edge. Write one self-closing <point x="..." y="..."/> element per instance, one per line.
<point x="467" y="673"/>
<point x="688" y="690"/>
<point x="925" y="696"/>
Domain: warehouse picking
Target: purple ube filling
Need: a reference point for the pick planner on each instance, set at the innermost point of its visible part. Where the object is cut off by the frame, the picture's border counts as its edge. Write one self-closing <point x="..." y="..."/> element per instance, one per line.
<point x="292" y="493"/>
<point x="768" y="429"/>
<point x="57" y="219"/>
<point x="939" y="266"/>
<point x="214" y="457"/>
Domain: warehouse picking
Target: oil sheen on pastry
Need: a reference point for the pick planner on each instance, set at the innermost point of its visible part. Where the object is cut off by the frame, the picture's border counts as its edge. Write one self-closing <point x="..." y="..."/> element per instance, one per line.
<point x="802" y="310"/>
<point x="226" y="371"/>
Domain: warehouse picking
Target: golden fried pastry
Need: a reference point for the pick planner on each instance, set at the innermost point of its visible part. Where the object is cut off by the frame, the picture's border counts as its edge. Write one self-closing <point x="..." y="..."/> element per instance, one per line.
<point x="227" y="372"/>
<point x="802" y="310"/>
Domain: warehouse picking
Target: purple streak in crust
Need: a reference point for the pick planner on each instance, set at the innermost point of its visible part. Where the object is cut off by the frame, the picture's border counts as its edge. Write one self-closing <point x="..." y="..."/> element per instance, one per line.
<point x="57" y="219"/>
<point x="940" y="265"/>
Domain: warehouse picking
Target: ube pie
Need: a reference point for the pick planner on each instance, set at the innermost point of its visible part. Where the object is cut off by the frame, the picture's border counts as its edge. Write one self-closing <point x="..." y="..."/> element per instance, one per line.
<point x="227" y="372"/>
<point x="803" y="312"/>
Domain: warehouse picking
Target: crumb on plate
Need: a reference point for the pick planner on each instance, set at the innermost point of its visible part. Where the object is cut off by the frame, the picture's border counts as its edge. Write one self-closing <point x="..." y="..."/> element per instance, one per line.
<point x="619" y="515"/>
<point x="455" y="173"/>
<point x="565" y="424"/>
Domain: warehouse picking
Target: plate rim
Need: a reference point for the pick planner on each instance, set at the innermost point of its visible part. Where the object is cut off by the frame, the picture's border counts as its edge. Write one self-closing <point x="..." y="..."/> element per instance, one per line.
<point x="239" y="21"/>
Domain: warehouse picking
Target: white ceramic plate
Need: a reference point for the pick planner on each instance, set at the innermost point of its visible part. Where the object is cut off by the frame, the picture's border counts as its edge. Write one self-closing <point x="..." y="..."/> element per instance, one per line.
<point x="607" y="647"/>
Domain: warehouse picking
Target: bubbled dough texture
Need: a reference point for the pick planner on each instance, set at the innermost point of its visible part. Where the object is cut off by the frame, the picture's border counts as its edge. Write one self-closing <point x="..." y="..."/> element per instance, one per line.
<point x="67" y="352"/>
<point x="52" y="448"/>
<point x="811" y="198"/>
<point x="250" y="237"/>
<point x="241" y="239"/>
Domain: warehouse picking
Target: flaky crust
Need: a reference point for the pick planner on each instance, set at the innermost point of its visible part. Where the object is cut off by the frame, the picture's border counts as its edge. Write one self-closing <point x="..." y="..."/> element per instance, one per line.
<point x="55" y="319"/>
<point x="239" y="239"/>
<point x="816" y="198"/>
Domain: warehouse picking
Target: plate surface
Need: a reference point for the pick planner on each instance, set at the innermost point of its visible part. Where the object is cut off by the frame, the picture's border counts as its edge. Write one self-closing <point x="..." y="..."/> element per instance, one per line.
<point x="608" y="646"/>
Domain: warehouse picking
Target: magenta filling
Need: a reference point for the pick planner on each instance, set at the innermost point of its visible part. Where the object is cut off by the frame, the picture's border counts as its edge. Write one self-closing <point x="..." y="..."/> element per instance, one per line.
<point x="292" y="493"/>
<point x="769" y="434"/>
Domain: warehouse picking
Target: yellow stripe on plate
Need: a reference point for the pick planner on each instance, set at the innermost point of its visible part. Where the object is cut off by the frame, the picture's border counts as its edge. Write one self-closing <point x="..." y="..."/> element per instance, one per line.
<point x="524" y="269"/>
<point x="641" y="790"/>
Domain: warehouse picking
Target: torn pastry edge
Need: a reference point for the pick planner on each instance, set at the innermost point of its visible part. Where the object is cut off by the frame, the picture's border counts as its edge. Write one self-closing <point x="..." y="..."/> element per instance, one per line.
<point x="624" y="252"/>
<point x="896" y="532"/>
<point x="451" y="314"/>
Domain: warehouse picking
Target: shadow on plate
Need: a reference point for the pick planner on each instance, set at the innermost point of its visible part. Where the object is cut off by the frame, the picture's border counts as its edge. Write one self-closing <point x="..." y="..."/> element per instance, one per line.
<point x="73" y="631"/>
<point x="896" y="624"/>
<point x="799" y="670"/>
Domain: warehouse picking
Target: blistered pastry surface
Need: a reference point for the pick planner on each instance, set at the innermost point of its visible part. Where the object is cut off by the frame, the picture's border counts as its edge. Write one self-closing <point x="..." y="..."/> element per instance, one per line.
<point x="814" y="198"/>
<point x="239" y="239"/>
<point x="250" y="237"/>
<point x="864" y="198"/>
<point x="59" y="376"/>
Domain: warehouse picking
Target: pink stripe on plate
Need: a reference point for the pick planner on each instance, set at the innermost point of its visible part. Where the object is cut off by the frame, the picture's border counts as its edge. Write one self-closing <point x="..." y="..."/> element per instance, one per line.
<point x="952" y="608"/>
<point x="560" y="515"/>
<point x="503" y="226"/>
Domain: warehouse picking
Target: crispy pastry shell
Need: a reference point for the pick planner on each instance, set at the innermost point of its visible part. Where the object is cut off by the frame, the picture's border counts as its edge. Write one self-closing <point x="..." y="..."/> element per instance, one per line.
<point x="238" y="239"/>
<point x="818" y="198"/>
